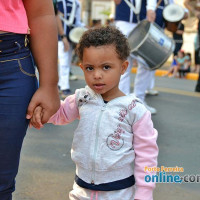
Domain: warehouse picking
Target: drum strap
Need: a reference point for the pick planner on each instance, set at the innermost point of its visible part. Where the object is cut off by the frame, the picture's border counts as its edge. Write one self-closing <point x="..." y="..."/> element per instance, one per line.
<point x="63" y="16"/>
<point x="136" y="9"/>
<point x="166" y="2"/>
<point x="159" y="2"/>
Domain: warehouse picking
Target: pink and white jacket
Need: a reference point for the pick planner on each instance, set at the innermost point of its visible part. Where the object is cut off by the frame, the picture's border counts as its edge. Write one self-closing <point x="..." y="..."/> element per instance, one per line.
<point x="110" y="138"/>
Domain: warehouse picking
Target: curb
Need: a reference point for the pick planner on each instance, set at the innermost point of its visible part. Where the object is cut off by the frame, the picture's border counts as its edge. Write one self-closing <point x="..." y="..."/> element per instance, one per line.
<point x="159" y="72"/>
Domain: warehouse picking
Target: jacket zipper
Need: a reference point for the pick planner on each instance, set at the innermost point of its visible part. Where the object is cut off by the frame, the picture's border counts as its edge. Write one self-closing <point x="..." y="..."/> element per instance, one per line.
<point x="96" y="144"/>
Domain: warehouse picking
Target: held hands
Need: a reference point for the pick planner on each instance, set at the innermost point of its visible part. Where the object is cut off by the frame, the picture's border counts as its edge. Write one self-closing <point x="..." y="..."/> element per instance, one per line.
<point x="44" y="103"/>
<point x="35" y="121"/>
<point x="151" y="15"/>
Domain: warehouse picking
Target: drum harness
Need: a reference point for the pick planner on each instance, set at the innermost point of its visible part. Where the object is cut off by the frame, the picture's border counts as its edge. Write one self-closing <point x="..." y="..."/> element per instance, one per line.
<point x="63" y="17"/>
<point x="138" y="3"/>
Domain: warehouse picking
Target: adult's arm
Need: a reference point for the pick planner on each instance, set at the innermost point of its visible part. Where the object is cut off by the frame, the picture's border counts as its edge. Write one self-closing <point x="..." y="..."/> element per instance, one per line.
<point x="151" y="7"/>
<point x="191" y="8"/>
<point x="188" y="5"/>
<point x="43" y="42"/>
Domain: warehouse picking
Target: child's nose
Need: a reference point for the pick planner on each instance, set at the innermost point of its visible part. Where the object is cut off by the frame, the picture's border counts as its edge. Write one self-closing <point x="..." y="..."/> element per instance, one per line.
<point x="97" y="74"/>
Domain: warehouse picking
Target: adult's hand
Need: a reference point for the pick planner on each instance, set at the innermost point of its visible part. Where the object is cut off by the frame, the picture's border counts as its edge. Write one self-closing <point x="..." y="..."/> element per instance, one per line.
<point x="48" y="98"/>
<point x="66" y="44"/>
<point x="151" y="15"/>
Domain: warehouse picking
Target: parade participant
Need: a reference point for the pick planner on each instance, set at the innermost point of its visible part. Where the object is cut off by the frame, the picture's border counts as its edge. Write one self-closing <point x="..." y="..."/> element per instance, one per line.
<point x="178" y="38"/>
<point x="195" y="9"/>
<point x="141" y="87"/>
<point x="115" y="131"/>
<point x="68" y="17"/>
<point x="196" y="54"/>
<point x="126" y="21"/>
<point x="23" y="21"/>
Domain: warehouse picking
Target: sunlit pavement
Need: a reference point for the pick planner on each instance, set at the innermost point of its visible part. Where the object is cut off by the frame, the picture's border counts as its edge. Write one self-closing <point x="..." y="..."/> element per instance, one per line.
<point x="47" y="172"/>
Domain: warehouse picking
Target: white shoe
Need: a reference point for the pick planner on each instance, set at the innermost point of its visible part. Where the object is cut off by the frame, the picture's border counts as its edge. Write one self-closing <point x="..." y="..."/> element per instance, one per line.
<point x="152" y="110"/>
<point x="73" y="78"/>
<point x="152" y="92"/>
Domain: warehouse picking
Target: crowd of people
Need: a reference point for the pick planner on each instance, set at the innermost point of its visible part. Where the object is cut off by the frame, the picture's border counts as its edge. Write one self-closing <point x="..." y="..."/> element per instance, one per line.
<point x="105" y="169"/>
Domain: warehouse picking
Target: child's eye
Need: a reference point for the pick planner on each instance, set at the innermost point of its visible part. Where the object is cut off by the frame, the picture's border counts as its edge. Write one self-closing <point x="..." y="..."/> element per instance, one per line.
<point x="89" y="68"/>
<point x="106" y="67"/>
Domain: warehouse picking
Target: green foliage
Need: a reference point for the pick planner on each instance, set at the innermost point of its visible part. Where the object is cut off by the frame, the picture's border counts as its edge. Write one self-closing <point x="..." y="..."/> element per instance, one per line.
<point x="106" y="12"/>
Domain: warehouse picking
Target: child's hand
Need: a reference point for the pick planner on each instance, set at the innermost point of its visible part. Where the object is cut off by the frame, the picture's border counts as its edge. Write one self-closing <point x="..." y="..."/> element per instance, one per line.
<point x="36" y="119"/>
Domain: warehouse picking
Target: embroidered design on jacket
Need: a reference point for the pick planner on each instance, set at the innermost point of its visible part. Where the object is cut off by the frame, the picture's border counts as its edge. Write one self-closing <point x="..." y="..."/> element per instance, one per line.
<point x="84" y="100"/>
<point x="132" y="105"/>
<point x="115" y="141"/>
<point x="122" y="114"/>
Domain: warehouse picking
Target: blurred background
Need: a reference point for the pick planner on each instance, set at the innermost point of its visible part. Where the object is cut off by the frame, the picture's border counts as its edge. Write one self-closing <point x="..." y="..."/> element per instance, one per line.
<point x="104" y="10"/>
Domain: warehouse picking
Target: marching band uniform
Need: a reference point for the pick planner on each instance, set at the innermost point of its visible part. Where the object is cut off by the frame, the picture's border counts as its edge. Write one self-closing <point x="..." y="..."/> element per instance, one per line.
<point x="69" y="12"/>
<point x="126" y="20"/>
<point x="144" y="78"/>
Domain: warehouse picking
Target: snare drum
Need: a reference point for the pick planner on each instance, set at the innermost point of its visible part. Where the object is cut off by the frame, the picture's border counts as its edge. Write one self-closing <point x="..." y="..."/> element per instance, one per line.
<point x="173" y="14"/>
<point x="150" y="45"/>
<point x="76" y="33"/>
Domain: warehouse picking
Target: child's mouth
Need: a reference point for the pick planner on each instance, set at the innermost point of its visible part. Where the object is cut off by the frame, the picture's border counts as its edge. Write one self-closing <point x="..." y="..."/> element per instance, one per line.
<point x="99" y="86"/>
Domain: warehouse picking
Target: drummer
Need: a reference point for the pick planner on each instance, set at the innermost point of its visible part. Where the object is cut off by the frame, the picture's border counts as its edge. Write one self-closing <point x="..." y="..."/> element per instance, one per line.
<point x="68" y="17"/>
<point x="126" y="21"/>
<point x="195" y="9"/>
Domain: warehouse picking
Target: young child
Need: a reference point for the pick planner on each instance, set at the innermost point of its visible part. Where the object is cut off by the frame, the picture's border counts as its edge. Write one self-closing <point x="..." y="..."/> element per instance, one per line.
<point x="177" y="65"/>
<point x="186" y="66"/>
<point x="115" y="131"/>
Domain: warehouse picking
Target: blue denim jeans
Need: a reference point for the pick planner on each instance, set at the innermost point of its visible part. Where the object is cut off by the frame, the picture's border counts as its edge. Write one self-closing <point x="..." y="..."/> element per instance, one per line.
<point x="17" y="86"/>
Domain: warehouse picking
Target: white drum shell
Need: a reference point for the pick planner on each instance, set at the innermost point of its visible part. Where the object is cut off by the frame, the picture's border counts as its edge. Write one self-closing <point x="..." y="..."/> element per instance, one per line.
<point x="173" y="13"/>
<point x="149" y="42"/>
<point x="76" y="33"/>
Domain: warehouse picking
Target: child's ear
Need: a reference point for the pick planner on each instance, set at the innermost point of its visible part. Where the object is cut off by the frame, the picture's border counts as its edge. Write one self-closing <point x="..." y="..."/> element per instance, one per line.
<point x="124" y="66"/>
<point x="81" y="66"/>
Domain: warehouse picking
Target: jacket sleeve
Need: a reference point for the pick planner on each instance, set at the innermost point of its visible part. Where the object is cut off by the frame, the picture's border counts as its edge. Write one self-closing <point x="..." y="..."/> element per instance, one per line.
<point x="67" y="112"/>
<point x="146" y="153"/>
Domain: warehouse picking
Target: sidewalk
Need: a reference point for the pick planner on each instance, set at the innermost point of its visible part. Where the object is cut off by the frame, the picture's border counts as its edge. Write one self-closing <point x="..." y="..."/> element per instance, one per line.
<point x="163" y="71"/>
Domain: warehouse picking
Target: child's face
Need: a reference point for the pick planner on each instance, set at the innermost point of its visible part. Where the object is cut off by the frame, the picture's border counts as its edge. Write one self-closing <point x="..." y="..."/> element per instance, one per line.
<point x="180" y="54"/>
<point x="102" y="69"/>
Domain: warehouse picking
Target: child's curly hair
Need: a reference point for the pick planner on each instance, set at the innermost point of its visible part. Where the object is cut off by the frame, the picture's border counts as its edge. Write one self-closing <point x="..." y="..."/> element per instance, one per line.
<point x="104" y="36"/>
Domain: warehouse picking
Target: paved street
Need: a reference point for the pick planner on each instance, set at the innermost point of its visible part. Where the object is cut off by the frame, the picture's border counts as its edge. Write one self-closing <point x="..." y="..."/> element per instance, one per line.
<point x="47" y="172"/>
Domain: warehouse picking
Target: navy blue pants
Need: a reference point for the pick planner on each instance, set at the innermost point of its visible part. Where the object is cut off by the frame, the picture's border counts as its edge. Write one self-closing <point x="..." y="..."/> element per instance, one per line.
<point x="17" y="86"/>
